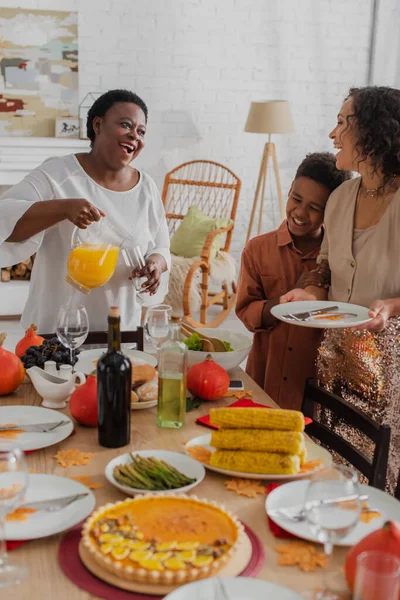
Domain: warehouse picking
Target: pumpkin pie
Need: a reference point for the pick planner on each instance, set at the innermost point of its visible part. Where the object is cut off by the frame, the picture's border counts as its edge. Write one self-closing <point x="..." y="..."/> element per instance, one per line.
<point x="164" y="539"/>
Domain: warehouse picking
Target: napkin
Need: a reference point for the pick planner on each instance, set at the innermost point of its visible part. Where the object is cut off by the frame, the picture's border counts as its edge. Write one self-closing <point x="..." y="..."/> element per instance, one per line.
<point x="275" y="529"/>
<point x="12" y="545"/>
<point x="243" y="403"/>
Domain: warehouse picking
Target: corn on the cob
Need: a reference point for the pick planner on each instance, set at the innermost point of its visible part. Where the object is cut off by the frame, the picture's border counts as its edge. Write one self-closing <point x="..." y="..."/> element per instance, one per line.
<point x="263" y="440"/>
<point x="303" y="455"/>
<point x="256" y="462"/>
<point x="257" y="418"/>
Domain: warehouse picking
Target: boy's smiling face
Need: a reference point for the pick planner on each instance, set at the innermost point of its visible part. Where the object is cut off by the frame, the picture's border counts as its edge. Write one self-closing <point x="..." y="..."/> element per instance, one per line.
<point x="306" y="206"/>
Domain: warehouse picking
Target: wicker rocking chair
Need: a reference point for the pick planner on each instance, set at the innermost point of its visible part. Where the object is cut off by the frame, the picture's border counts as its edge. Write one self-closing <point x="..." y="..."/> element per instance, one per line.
<point x="213" y="189"/>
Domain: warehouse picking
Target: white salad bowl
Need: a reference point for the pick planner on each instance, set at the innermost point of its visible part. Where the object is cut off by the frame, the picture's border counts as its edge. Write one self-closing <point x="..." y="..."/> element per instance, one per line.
<point x="240" y="342"/>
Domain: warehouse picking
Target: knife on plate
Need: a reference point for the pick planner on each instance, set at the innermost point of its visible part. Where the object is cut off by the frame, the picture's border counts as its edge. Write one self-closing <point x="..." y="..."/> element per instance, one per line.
<point x="55" y="503"/>
<point x="39" y="427"/>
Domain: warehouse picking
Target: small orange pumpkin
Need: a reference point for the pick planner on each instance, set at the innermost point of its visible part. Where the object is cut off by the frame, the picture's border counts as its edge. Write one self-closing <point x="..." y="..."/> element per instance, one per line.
<point x="207" y="380"/>
<point x="386" y="539"/>
<point x="11" y="369"/>
<point x="30" y="339"/>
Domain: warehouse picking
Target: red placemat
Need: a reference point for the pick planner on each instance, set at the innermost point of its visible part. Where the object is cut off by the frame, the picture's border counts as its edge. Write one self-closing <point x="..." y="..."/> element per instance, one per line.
<point x="12" y="545"/>
<point x="275" y="529"/>
<point x="243" y="403"/>
<point x="75" y="570"/>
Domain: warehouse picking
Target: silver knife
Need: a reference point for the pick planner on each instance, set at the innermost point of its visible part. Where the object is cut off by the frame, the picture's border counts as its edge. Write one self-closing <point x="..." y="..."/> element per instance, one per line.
<point x="55" y="503"/>
<point x="305" y="315"/>
<point x="40" y="427"/>
<point x="298" y="512"/>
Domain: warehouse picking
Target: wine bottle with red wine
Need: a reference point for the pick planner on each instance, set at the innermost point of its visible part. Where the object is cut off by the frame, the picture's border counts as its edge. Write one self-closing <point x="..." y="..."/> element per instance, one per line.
<point x="114" y="384"/>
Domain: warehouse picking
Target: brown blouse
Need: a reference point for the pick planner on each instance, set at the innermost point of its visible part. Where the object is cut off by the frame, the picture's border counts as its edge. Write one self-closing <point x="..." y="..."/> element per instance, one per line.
<point x="283" y="356"/>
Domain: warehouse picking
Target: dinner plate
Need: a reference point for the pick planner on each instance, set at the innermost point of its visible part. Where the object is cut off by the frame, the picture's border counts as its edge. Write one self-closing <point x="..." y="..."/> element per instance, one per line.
<point x="237" y="588"/>
<point x="361" y="314"/>
<point x="44" y="523"/>
<point x="24" y="415"/>
<point x="141" y="405"/>
<point x="287" y="495"/>
<point x="186" y="465"/>
<point x="87" y="359"/>
<point x="314" y="453"/>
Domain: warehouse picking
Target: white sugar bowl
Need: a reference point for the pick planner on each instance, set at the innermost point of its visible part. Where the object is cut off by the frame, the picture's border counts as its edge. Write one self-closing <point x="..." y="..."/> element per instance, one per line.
<point x="54" y="390"/>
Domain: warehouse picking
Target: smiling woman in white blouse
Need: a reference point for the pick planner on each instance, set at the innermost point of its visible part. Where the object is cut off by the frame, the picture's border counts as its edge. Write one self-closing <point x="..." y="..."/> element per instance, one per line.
<point x="39" y="214"/>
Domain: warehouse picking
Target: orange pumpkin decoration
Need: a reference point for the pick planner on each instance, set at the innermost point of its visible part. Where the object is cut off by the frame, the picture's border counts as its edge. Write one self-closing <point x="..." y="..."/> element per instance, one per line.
<point x="207" y="380"/>
<point x="11" y="369"/>
<point x="83" y="403"/>
<point x="386" y="539"/>
<point x="30" y="339"/>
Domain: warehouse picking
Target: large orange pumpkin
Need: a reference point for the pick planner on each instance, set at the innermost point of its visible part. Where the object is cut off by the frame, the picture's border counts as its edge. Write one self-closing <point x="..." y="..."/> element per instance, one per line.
<point x="30" y="339"/>
<point x="207" y="380"/>
<point x="12" y="370"/>
<point x="386" y="539"/>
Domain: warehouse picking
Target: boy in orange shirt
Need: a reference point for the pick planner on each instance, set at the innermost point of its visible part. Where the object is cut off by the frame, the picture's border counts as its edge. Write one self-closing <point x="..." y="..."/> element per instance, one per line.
<point x="283" y="356"/>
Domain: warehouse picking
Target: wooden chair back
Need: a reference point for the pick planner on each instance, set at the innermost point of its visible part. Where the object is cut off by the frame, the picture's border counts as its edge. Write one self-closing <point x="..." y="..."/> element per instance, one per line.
<point x="101" y="337"/>
<point x="375" y="470"/>
<point x="211" y="187"/>
<point x="397" y="491"/>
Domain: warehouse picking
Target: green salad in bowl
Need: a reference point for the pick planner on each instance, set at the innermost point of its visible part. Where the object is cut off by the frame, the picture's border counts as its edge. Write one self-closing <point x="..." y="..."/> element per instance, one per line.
<point x="194" y="342"/>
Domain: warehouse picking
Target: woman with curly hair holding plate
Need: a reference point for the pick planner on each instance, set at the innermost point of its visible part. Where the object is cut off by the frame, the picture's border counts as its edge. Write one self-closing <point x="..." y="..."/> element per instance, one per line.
<point x="359" y="258"/>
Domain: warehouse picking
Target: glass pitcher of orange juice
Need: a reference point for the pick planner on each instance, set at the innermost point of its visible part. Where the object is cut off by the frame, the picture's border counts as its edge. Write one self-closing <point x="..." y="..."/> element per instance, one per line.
<point x="94" y="255"/>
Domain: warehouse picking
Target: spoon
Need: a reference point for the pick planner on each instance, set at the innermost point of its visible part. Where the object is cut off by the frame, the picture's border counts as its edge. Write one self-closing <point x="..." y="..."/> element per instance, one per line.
<point x="218" y="344"/>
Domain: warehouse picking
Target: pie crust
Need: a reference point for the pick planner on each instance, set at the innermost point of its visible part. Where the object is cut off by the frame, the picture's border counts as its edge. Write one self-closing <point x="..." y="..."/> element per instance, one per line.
<point x="177" y="538"/>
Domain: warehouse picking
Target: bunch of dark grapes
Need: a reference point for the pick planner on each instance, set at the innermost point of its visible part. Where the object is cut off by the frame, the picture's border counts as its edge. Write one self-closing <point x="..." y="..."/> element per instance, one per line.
<point x="51" y="349"/>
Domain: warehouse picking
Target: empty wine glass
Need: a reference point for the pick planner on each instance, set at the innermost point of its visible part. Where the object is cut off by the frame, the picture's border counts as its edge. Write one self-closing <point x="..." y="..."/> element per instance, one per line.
<point x="157" y="326"/>
<point x="331" y="521"/>
<point x="134" y="259"/>
<point x="377" y="576"/>
<point x="13" y="484"/>
<point x="72" y="327"/>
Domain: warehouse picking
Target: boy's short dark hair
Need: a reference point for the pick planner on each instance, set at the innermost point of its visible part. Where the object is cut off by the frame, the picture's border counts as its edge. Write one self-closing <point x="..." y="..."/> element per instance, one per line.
<point x="105" y="102"/>
<point x="321" y="167"/>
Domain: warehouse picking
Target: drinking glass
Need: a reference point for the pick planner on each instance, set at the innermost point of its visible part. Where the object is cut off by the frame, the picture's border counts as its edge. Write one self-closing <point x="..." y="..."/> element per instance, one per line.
<point x="157" y="326"/>
<point x="377" y="576"/>
<point x="72" y="327"/>
<point x="13" y="484"/>
<point x="134" y="259"/>
<point x="332" y="521"/>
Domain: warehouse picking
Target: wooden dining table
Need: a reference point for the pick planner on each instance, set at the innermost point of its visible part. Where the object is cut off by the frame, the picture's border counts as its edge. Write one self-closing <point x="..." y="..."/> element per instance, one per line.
<point x="46" y="579"/>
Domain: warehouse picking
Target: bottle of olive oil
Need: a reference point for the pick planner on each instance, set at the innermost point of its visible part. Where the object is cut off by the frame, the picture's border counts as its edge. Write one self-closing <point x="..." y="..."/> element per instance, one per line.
<point x="172" y="366"/>
<point x="114" y="384"/>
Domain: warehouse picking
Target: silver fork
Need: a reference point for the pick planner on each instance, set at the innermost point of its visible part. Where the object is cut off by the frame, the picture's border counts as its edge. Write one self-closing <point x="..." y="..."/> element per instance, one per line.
<point x="55" y="503"/>
<point x="301" y="515"/>
<point x="221" y="593"/>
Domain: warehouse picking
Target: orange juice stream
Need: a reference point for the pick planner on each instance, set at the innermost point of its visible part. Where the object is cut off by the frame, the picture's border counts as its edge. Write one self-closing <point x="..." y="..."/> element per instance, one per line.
<point x="92" y="265"/>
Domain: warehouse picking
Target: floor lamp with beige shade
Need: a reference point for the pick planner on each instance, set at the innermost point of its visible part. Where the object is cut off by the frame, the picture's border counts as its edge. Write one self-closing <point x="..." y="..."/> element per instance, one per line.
<point x="271" y="116"/>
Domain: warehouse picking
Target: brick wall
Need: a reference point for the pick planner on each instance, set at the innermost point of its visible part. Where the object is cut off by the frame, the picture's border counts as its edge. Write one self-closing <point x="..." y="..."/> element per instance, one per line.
<point x="199" y="63"/>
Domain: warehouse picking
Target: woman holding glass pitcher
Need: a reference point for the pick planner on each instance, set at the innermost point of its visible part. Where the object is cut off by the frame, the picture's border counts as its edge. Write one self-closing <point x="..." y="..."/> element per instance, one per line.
<point x="39" y="214"/>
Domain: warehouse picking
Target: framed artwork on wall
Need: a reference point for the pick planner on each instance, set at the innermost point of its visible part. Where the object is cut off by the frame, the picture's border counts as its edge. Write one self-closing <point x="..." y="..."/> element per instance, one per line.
<point x="67" y="127"/>
<point x="38" y="70"/>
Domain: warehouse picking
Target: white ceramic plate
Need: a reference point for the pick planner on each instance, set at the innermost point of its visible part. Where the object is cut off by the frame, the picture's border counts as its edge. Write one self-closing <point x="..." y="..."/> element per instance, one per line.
<point x="87" y="358"/>
<point x="360" y="312"/>
<point x="286" y="496"/>
<point x="314" y="453"/>
<point x="42" y="523"/>
<point x="141" y="405"/>
<point x="23" y="415"/>
<point x="237" y="588"/>
<point x="186" y="465"/>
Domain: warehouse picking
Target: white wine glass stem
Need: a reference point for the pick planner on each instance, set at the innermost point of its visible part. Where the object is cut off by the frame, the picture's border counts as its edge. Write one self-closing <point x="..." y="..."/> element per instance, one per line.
<point x="3" y="543"/>
<point x="328" y="549"/>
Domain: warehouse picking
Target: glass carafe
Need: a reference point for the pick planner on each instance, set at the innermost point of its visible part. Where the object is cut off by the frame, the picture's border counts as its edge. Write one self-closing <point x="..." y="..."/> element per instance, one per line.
<point x="94" y="255"/>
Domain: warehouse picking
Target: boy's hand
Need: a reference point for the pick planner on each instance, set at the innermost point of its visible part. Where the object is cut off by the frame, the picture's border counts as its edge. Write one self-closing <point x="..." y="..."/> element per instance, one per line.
<point x="310" y="278"/>
<point x="296" y="295"/>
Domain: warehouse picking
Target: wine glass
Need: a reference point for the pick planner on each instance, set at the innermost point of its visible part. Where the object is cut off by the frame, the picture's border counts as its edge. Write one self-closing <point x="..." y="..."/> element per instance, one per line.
<point x="134" y="259"/>
<point x="13" y="484"/>
<point x="332" y="508"/>
<point x="157" y="326"/>
<point x="377" y="576"/>
<point x="72" y="327"/>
